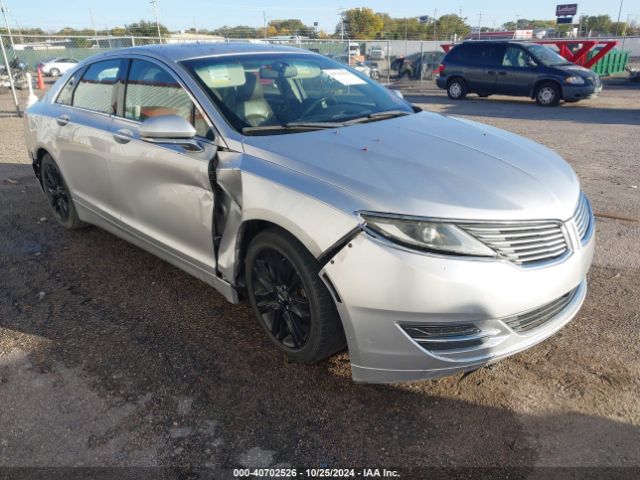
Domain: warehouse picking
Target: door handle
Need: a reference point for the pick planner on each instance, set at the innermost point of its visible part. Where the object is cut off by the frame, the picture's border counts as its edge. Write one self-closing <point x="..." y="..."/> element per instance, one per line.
<point x="62" y="120"/>
<point x="123" y="135"/>
<point x="502" y="73"/>
<point x="491" y="72"/>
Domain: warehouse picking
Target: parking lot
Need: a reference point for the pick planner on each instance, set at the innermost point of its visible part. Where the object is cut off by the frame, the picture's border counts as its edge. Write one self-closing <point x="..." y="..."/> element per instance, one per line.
<point x="111" y="357"/>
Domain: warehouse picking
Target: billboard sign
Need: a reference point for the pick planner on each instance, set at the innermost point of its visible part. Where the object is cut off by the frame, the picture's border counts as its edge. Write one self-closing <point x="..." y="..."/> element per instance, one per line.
<point x="566" y="10"/>
<point x="565" y="20"/>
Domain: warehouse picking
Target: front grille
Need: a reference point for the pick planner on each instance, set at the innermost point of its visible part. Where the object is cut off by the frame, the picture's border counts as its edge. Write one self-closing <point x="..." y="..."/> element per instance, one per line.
<point x="525" y="243"/>
<point x="583" y="217"/>
<point x="531" y="319"/>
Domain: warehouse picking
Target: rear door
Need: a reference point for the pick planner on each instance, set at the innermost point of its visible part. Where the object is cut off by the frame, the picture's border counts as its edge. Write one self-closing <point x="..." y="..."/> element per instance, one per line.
<point x="164" y="189"/>
<point x="517" y="72"/>
<point x="482" y="62"/>
<point x="83" y="114"/>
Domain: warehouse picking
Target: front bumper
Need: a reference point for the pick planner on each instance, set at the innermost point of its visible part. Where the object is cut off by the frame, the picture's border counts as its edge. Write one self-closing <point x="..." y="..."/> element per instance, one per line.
<point x="382" y="288"/>
<point x="574" y="92"/>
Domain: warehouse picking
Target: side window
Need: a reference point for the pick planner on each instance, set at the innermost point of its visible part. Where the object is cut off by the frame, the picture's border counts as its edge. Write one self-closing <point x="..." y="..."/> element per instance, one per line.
<point x="487" y="55"/>
<point x="515" y="57"/>
<point x="458" y="54"/>
<point x="152" y="91"/>
<point x="65" y="96"/>
<point x="95" y="91"/>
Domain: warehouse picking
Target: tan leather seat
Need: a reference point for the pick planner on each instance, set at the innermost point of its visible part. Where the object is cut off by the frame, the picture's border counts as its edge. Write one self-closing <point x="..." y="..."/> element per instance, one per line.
<point x="253" y="108"/>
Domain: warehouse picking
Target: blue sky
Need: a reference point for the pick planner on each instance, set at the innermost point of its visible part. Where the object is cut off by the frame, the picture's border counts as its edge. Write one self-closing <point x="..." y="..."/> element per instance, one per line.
<point x="179" y="14"/>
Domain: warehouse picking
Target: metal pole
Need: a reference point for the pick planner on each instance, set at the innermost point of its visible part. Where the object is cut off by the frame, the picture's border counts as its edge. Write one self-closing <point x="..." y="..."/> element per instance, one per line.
<point x="388" y="62"/>
<point x="421" y="62"/>
<point x="155" y="13"/>
<point x="6" y="65"/>
<point x="617" y="23"/>
<point x="479" y="25"/>
<point x="6" y="22"/>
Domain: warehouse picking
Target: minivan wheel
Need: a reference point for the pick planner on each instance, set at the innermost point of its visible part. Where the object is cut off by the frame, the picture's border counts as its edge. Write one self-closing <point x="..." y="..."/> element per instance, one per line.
<point x="457" y="89"/>
<point x="58" y="196"/>
<point x="548" y="95"/>
<point x="290" y="300"/>
<point x="54" y="72"/>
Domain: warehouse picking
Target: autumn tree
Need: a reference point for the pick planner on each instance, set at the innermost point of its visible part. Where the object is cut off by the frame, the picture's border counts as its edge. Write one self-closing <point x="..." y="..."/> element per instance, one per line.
<point x="360" y="23"/>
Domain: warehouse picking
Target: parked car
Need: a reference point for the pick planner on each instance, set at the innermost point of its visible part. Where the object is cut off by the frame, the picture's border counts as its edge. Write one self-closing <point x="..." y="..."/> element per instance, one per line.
<point x="374" y="69"/>
<point x="514" y="68"/>
<point x="355" y="64"/>
<point x="376" y="53"/>
<point x="56" y="66"/>
<point x="345" y="216"/>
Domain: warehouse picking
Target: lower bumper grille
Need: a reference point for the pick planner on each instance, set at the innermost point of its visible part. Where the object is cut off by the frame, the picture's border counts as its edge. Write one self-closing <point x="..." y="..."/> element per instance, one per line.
<point x="441" y="338"/>
<point x="527" y="321"/>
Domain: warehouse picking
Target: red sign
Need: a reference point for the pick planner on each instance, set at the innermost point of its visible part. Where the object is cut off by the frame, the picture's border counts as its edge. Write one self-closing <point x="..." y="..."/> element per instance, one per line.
<point x="567" y="10"/>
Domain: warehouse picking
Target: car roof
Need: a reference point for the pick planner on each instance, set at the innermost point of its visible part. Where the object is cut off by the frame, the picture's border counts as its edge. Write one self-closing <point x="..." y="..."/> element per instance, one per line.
<point x="183" y="51"/>
<point x="494" y="42"/>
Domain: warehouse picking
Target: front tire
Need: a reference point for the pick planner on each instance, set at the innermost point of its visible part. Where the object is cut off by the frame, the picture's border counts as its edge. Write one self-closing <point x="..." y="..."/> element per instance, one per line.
<point x="54" y="72"/>
<point x="289" y="299"/>
<point x="457" y="89"/>
<point x="548" y="94"/>
<point x="58" y="195"/>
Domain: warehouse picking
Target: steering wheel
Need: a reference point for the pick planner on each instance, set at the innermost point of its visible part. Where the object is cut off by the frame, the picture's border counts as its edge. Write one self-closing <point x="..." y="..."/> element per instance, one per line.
<point x="316" y="104"/>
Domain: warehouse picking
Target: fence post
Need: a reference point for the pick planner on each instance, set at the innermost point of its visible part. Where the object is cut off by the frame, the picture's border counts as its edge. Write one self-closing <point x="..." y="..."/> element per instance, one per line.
<point x="421" y="62"/>
<point x="388" y="62"/>
<point x="10" y="74"/>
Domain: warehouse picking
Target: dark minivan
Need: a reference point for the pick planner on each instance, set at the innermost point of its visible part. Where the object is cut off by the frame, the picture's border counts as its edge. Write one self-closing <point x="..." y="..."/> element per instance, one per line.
<point x="514" y="68"/>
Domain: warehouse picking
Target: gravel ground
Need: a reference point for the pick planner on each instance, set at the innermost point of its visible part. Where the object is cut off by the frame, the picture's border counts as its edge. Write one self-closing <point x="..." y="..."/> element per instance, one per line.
<point x="111" y="357"/>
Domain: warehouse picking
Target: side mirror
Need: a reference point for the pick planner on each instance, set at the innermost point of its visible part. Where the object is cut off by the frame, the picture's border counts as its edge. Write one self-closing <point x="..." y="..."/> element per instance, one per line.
<point x="166" y="127"/>
<point x="397" y="93"/>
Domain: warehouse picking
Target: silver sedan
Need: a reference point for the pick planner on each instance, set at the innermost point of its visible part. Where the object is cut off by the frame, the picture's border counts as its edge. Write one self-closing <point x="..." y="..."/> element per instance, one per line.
<point x="345" y="216"/>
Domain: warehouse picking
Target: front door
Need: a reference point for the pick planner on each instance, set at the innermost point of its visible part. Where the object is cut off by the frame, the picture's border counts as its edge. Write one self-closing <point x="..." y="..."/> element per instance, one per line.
<point x="164" y="189"/>
<point x="517" y="72"/>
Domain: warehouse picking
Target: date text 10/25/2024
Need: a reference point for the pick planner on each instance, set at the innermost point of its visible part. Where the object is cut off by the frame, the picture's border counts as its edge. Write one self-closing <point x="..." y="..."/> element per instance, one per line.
<point x="315" y="473"/>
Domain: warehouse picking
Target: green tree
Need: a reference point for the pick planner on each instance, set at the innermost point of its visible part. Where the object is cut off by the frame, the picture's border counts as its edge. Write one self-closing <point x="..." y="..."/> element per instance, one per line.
<point x="447" y="25"/>
<point x="361" y="23"/>
<point x="146" y="29"/>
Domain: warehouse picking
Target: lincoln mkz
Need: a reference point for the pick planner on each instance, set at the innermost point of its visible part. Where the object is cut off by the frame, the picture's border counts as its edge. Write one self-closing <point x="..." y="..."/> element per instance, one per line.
<point x="427" y="245"/>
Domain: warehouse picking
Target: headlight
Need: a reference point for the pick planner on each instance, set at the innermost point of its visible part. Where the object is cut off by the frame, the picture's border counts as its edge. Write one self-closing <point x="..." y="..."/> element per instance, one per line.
<point x="574" y="80"/>
<point x="427" y="235"/>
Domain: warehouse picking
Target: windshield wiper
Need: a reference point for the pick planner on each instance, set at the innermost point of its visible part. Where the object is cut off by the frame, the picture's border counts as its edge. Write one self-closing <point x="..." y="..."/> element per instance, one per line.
<point x="372" y="117"/>
<point x="291" y="127"/>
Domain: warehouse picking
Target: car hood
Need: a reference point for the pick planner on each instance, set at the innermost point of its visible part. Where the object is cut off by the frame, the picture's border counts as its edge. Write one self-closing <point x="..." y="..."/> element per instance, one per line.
<point x="431" y="165"/>
<point x="576" y="70"/>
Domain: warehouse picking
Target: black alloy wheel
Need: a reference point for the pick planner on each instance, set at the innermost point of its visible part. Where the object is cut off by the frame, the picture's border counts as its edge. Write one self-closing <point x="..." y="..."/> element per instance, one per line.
<point x="56" y="191"/>
<point x="281" y="299"/>
<point x="291" y="302"/>
<point x="58" y="195"/>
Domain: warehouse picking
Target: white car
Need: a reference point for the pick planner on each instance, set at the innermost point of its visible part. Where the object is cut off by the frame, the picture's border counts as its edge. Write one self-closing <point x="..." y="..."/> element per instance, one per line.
<point x="56" y="66"/>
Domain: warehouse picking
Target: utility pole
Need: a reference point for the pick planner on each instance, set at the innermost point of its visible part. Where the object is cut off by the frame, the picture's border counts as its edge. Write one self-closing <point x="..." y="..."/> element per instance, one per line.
<point x="435" y="24"/>
<point x="154" y="3"/>
<point x="264" y="23"/>
<point x="619" y="13"/>
<point x="479" y="25"/>
<point x="5" y="10"/>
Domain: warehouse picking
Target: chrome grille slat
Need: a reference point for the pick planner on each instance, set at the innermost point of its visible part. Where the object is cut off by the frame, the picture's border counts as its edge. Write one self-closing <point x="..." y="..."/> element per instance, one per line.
<point x="523" y="243"/>
<point x="583" y="217"/>
<point x="531" y="319"/>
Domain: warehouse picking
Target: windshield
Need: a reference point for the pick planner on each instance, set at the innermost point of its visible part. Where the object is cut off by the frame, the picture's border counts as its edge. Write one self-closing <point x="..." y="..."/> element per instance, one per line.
<point x="547" y="56"/>
<point x="266" y="91"/>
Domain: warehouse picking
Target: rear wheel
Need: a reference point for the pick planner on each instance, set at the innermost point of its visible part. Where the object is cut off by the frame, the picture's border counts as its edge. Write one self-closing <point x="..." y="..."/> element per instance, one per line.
<point x="58" y="195"/>
<point x="457" y="89"/>
<point x="290" y="300"/>
<point x="548" y="94"/>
